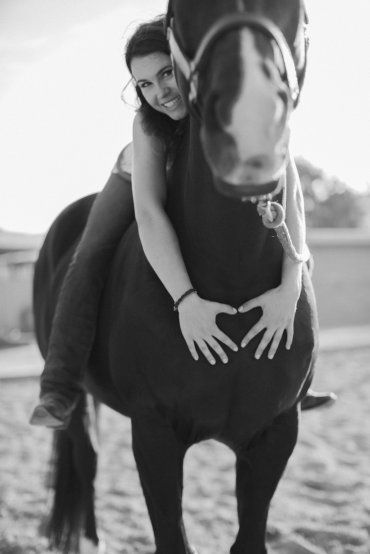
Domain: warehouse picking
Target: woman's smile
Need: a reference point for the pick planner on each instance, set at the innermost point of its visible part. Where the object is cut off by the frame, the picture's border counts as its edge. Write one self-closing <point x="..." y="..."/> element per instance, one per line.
<point x="173" y="103"/>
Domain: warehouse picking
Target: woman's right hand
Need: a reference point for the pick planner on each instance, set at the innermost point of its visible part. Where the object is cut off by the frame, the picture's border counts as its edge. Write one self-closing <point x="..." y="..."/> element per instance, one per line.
<point x="198" y="326"/>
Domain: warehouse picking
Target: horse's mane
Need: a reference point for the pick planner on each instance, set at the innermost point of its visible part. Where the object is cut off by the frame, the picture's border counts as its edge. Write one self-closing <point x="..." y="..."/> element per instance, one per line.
<point x="302" y="72"/>
<point x="169" y="14"/>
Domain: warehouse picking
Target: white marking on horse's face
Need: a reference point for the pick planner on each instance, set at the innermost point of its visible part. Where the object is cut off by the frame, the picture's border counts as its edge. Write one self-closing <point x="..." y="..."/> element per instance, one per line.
<point x="240" y="6"/>
<point x="258" y="119"/>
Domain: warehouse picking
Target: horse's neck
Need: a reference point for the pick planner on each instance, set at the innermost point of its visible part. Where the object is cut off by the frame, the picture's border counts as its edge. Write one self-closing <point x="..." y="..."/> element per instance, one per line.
<point x="223" y="240"/>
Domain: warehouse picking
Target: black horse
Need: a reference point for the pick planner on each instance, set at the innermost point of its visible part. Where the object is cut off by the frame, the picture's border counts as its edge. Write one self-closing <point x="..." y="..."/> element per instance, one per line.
<point x="140" y="365"/>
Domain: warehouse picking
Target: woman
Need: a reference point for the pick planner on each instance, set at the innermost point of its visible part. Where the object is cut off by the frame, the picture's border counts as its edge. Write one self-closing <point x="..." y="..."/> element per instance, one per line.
<point x="158" y="125"/>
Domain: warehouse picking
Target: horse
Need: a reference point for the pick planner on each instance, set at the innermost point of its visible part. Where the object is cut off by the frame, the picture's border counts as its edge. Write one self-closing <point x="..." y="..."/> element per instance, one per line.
<point x="232" y="151"/>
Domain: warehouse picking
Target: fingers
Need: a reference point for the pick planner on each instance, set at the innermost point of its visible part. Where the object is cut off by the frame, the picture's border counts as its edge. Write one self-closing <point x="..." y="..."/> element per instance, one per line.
<point x="219" y="335"/>
<point x="206" y="352"/>
<point x="193" y="350"/>
<point x="211" y="342"/>
<point x="205" y="345"/>
<point x="252" y="333"/>
<point x="275" y="343"/>
<point x="218" y="349"/>
<point x="263" y="344"/>
<point x="254" y="303"/>
<point x="289" y="335"/>
<point x="226" y="309"/>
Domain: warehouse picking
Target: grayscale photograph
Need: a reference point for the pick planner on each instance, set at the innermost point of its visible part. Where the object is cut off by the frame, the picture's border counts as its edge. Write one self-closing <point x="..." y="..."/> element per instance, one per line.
<point x="184" y="277"/>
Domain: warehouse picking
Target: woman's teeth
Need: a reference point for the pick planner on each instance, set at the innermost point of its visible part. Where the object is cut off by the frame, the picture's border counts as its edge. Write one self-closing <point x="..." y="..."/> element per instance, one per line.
<point x="171" y="103"/>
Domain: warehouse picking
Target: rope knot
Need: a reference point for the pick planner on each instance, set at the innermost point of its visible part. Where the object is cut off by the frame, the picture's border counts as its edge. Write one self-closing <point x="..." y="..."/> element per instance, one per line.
<point x="273" y="217"/>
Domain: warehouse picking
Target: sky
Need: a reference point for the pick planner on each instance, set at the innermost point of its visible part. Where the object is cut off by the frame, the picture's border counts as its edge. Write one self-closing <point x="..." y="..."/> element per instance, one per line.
<point x="63" y="124"/>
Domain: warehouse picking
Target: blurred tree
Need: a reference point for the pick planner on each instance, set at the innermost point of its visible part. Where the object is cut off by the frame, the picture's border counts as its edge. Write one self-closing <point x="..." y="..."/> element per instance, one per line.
<point x="329" y="202"/>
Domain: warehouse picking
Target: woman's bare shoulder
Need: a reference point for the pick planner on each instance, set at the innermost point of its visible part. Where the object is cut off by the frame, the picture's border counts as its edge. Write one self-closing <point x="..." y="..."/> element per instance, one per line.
<point x="138" y="123"/>
<point x="143" y="139"/>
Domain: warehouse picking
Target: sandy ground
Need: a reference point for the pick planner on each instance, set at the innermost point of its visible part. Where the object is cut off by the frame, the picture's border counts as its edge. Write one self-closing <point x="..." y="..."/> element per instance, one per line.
<point x="322" y="505"/>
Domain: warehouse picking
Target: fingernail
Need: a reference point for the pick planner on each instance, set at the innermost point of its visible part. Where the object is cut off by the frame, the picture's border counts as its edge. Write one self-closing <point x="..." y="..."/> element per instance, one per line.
<point x="243" y="345"/>
<point x="225" y="360"/>
<point x="213" y="362"/>
<point x="241" y="309"/>
<point x="235" y="348"/>
<point x="270" y="356"/>
<point x="257" y="356"/>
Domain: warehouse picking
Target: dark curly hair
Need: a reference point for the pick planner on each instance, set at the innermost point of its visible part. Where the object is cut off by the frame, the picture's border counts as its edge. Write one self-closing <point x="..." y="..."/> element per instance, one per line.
<point x="148" y="38"/>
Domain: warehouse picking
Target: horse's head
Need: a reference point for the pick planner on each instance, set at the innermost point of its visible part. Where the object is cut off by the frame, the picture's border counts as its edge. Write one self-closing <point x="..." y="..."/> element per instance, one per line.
<point x="237" y="64"/>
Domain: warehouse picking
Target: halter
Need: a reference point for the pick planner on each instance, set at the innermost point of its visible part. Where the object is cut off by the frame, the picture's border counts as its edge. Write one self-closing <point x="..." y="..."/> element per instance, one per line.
<point x="273" y="215"/>
<point x="190" y="67"/>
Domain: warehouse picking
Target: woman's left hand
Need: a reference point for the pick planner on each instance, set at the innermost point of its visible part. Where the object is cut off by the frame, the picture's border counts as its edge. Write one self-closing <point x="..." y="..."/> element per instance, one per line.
<point x="278" y="307"/>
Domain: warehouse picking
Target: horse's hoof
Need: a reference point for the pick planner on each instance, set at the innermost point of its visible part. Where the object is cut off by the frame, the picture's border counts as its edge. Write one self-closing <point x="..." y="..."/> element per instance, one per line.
<point x="88" y="547"/>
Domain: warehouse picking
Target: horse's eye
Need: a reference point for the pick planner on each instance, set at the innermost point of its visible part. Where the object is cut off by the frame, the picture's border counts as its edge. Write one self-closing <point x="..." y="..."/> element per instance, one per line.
<point x="283" y="95"/>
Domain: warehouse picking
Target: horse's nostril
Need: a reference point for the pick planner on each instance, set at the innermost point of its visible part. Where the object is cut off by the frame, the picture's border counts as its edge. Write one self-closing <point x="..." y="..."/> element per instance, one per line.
<point x="219" y="113"/>
<point x="283" y="95"/>
<point x="258" y="162"/>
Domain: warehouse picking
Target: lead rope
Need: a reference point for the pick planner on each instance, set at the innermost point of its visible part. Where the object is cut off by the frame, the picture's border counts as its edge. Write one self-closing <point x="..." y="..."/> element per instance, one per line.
<point x="273" y="217"/>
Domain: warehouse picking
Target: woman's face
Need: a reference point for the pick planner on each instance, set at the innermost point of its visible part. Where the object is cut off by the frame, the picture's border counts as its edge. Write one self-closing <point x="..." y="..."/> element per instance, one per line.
<point x="155" y="77"/>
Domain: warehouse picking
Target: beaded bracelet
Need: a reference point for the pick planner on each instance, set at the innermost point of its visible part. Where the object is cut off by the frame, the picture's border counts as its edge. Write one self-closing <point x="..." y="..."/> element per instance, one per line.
<point x="182" y="297"/>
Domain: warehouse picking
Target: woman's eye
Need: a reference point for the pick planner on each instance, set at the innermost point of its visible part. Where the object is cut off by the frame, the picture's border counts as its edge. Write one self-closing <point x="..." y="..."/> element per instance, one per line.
<point x="168" y="72"/>
<point x="144" y="85"/>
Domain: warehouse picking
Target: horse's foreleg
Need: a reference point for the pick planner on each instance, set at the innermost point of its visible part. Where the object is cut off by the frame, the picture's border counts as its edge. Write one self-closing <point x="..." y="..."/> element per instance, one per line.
<point x="259" y="468"/>
<point x="159" y="456"/>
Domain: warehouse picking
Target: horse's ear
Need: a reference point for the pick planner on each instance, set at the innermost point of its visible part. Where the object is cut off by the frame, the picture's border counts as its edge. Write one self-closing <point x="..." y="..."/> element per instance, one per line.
<point x="169" y="15"/>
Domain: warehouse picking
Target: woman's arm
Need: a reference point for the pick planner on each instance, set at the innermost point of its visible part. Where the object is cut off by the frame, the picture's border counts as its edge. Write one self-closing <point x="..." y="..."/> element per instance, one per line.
<point x="279" y="304"/>
<point x="161" y="246"/>
<point x="157" y="235"/>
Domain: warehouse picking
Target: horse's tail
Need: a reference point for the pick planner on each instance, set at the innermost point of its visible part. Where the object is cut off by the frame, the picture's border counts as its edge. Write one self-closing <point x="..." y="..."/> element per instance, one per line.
<point x="63" y="528"/>
<point x="73" y="470"/>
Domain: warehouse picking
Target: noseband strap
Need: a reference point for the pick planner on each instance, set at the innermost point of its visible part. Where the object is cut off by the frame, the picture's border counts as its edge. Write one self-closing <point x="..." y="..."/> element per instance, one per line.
<point x="190" y="67"/>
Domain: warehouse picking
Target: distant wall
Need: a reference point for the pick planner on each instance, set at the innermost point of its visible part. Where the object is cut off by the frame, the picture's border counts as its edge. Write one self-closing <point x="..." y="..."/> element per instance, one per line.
<point x="341" y="279"/>
<point x="16" y="274"/>
<point x="18" y="252"/>
<point x="11" y="242"/>
<point x="341" y="275"/>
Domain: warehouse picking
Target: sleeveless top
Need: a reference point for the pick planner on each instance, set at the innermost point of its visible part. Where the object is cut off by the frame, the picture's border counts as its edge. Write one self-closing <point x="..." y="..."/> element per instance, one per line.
<point x="123" y="165"/>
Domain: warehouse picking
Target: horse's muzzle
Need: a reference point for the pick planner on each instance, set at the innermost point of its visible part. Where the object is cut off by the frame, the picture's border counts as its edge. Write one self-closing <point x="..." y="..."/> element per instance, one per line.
<point x="247" y="192"/>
